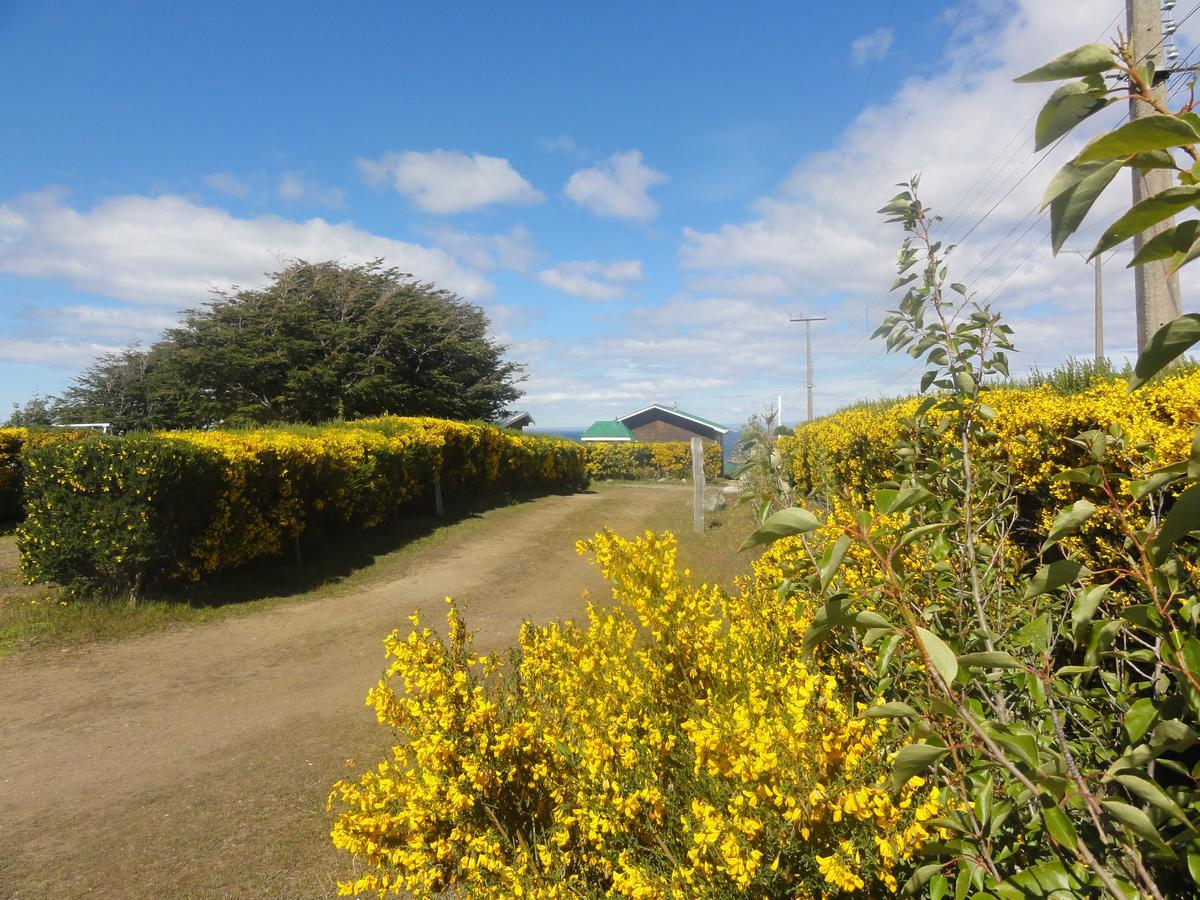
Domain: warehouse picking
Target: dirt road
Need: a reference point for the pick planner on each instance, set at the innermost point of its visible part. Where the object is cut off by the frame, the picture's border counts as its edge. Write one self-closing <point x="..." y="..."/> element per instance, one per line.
<point x="195" y="762"/>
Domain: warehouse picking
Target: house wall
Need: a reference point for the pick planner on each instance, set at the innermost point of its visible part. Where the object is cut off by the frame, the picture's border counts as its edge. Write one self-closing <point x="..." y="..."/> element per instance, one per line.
<point x="654" y="426"/>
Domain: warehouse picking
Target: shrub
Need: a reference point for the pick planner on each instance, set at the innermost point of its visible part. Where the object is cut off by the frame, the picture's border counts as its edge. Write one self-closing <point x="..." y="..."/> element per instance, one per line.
<point x="13" y="443"/>
<point x="273" y="486"/>
<point x="115" y="511"/>
<point x="631" y="461"/>
<point x="675" y="744"/>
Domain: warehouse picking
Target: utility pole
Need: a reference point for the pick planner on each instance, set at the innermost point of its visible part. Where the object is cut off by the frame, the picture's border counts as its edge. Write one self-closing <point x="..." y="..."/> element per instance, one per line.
<point x="1157" y="292"/>
<point x="808" y="320"/>
<point x="1097" y="264"/>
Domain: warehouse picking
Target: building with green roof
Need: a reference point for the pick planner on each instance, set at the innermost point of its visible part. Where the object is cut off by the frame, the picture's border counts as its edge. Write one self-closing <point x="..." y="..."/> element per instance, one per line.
<point x="607" y="430"/>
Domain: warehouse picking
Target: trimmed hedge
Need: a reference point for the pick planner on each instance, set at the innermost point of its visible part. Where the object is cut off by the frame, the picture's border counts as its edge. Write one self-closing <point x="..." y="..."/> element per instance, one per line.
<point x="115" y="513"/>
<point x="13" y="443"/>
<point x="667" y="459"/>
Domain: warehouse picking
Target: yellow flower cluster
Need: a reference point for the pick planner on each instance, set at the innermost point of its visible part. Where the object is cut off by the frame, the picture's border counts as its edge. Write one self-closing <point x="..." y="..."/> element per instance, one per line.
<point x="1032" y="427"/>
<point x="850" y="452"/>
<point x="673" y="745"/>
<point x="668" y="459"/>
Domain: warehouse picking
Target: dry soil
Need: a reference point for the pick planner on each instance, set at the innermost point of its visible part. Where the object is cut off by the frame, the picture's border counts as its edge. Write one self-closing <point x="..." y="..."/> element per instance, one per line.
<point x="195" y="762"/>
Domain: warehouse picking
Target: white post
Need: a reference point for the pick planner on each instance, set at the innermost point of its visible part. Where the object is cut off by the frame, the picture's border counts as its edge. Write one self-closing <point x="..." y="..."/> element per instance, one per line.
<point x="698" y="485"/>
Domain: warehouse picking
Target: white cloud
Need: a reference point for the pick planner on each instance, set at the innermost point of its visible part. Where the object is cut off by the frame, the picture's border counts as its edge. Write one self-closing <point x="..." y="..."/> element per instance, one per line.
<point x="817" y="241"/>
<point x="872" y="46"/>
<point x="592" y="280"/>
<point x="617" y="188"/>
<point x="169" y="251"/>
<point x="67" y="354"/>
<point x="296" y="187"/>
<point x="229" y="184"/>
<point x="448" y="181"/>
<point x="483" y="252"/>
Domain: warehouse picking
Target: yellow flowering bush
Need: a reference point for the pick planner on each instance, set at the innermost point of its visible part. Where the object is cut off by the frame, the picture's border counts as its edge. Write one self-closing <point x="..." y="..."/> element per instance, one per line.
<point x="855" y="449"/>
<point x="14" y="442"/>
<point x="634" y="460"/>
<point x="259" y="490"/>
<point x="673" y="745"/>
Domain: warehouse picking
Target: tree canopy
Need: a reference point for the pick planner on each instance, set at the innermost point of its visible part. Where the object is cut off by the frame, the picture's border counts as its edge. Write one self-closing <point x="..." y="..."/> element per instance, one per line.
<point x="320" y="341"/>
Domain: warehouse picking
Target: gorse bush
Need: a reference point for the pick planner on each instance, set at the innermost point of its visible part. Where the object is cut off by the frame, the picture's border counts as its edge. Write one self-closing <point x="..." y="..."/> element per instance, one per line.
<point x="13" y="443"/>
<point x="217" y="500"/>
<point x="634" y="460"/>
<point x="674" y="744"/>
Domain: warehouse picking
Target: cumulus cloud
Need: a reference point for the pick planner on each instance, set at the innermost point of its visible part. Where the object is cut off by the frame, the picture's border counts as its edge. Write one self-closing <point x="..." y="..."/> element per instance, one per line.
<point x="872" y="46"/>
<point x="816" y="241"/>
<point x="592" y="280"/>
<point x="617" y="188"/>
<point x="170" y="251"/>
<point x="444" y="182"/>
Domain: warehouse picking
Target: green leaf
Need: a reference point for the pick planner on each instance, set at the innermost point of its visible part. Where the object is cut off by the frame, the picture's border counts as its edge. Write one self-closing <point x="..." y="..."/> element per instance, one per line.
<point x="1139" y="717"/>
<point x="1154" y="132"/>
<point x="908" y="498"/>
<point x="1090" y="59"/>
<point x="919" y="532"/>
<point x="990" y="659"/>
<point x="1137" y="821"/>
<point x="1174" y="241"/>
<point x="1068" y="522"/>
<point x="784" y="523"/>
<point x="1148" y="212"/>
<point x="1066" y="108"/>
<point x="1054" y="576"/>
<point x="919" y="879"/>
<point x="1060" y="826"/>
<point x="913" y="759"/>
<point x="1164" y="347"/>
<point x="1041" y="880"/>
<point x="1086" y="603"/>
<point x="942" y="657"/>
<point x="1193" y="861"/>
<point x="1154" y="795"/>
<point x="894" y="710"/>
<point x="1068" y="208"/>
<point x="1089" y="475"/>
<point x="1182" y="517"/>
<point x="832" y="558"/>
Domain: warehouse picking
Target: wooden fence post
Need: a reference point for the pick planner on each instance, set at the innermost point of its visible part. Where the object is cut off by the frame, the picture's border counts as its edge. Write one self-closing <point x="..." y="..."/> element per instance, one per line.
<point x="698" y="485"/>
<point x="437" y="496"/>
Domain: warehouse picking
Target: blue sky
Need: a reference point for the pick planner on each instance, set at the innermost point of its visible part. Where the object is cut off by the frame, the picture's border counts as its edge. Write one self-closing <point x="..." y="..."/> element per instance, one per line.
<point x="638" y="194"/>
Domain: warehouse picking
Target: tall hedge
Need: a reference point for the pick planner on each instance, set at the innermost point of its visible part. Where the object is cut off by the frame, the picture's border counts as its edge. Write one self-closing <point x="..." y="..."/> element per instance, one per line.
<point x="115" y="513"/>
<point x="668" y="459"/>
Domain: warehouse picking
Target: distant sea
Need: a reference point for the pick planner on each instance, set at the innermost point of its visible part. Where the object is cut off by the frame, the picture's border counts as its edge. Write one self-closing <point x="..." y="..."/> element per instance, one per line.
<point x="575" y="434"/>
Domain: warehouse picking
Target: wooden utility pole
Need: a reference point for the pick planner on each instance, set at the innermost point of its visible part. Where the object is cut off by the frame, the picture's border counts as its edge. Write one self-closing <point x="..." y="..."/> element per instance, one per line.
<point x="1157" y="292"/>
<point x="808" y="320"/>
<point x="697" y="485"/>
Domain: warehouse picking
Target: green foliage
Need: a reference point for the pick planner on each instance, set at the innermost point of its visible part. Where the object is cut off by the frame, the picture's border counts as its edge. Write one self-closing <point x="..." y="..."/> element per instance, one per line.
<point x="1051" y="684"/>
<point x="114" y="514"/>
<point x="1153" y="141"/>
<point x="321" y="341"/>
<point x="37" y="412"/>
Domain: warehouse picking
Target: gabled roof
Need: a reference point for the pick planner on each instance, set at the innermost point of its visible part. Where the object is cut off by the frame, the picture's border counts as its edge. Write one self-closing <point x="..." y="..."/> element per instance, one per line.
<point x="516" y="419"/>
<point x="679" y="412"/>
<point x="607" y="430"/>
